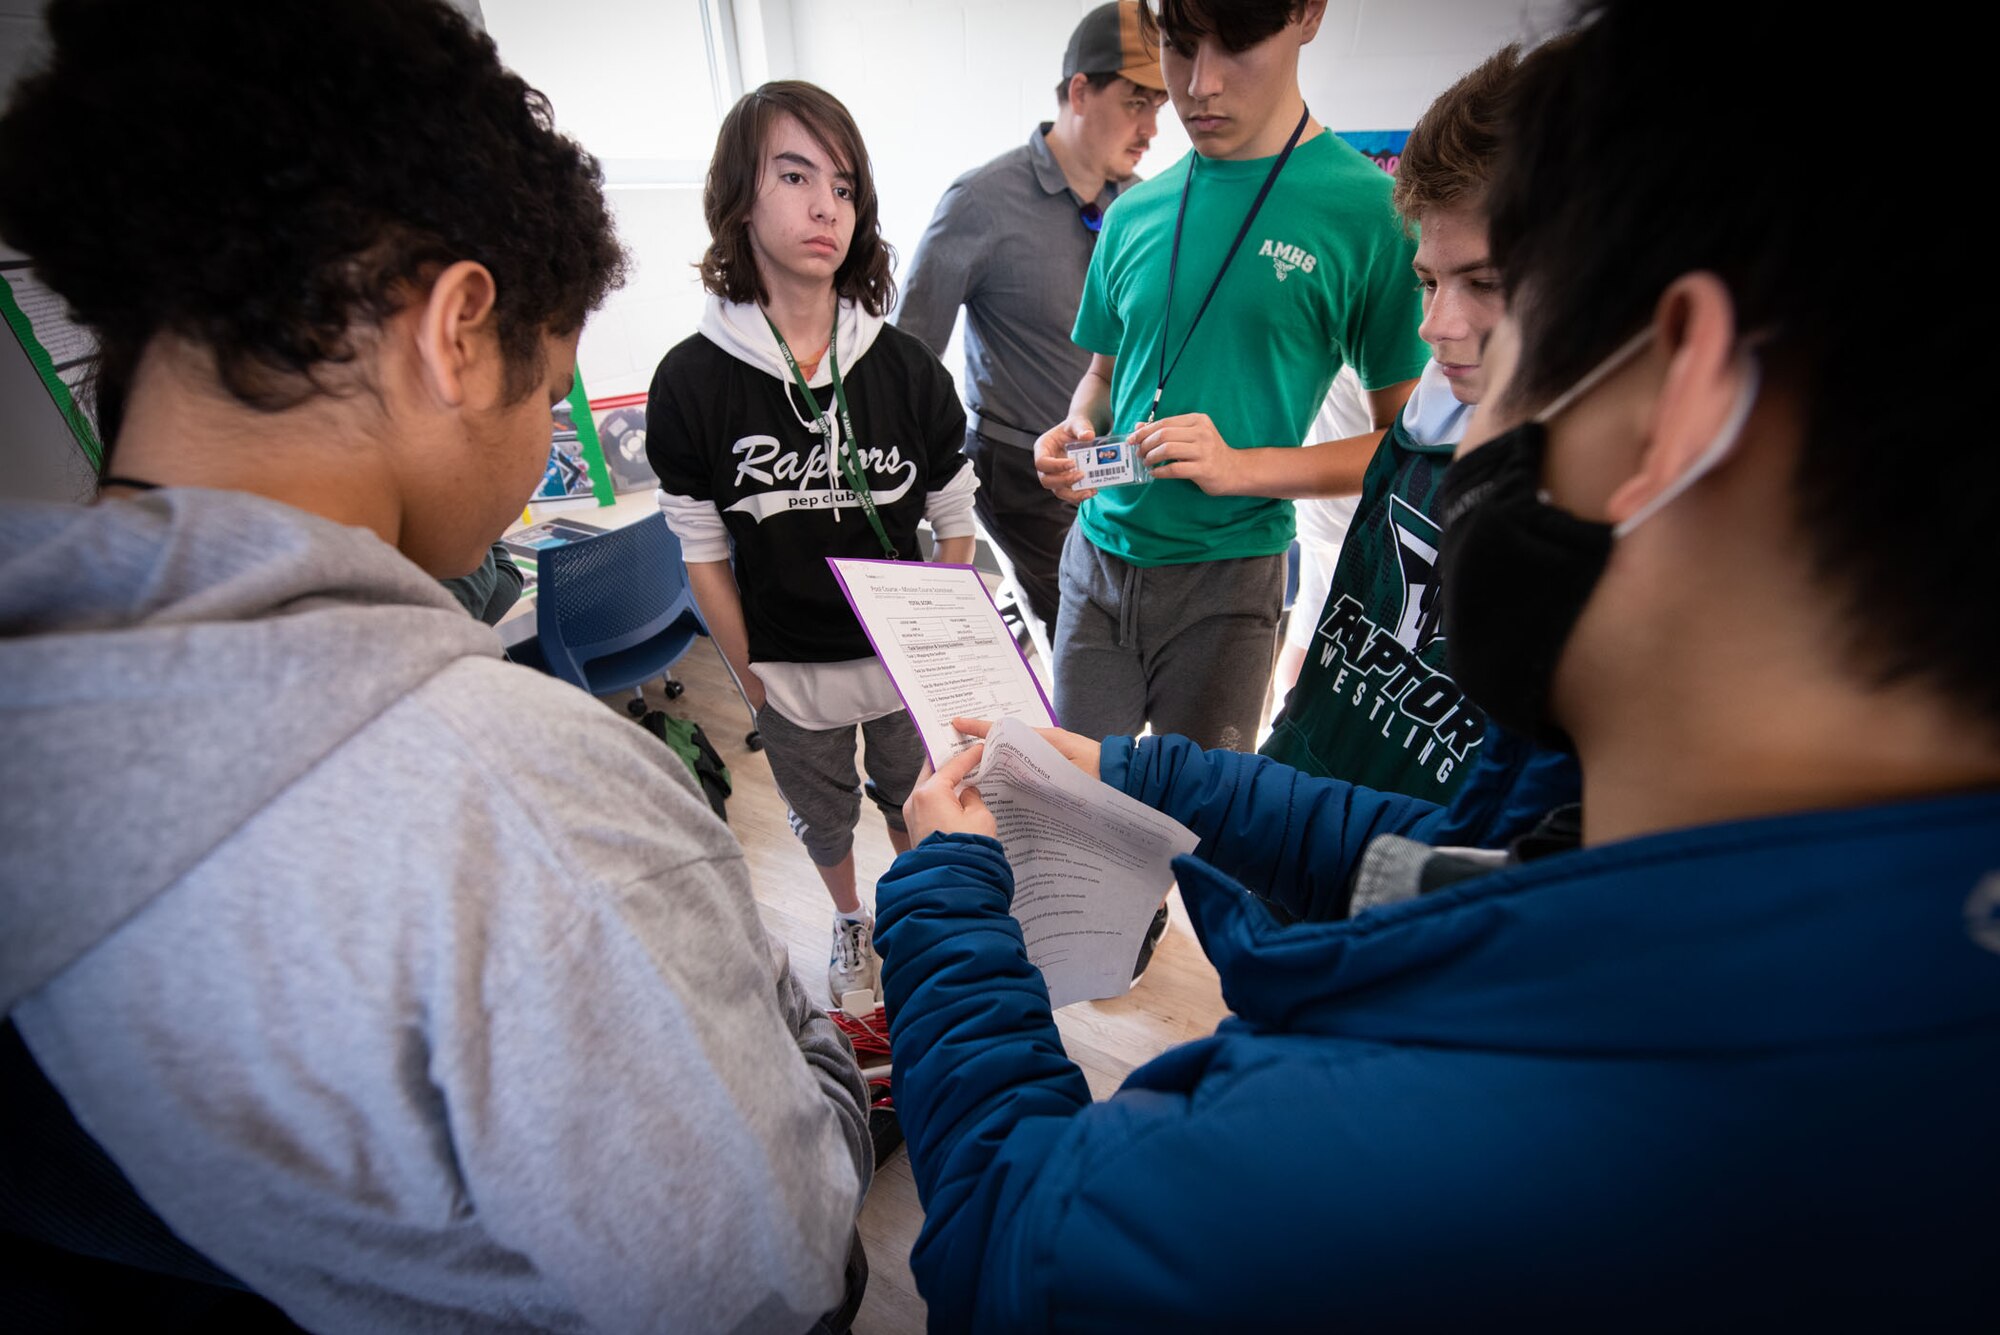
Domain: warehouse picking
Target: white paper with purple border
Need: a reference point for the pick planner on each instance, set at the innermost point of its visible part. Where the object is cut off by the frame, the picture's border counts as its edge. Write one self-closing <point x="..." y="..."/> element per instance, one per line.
<point x="938" y="634"/>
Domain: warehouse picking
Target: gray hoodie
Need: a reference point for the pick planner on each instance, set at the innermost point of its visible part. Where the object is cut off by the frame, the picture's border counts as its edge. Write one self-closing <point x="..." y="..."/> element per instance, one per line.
<point x="418" y="990"/>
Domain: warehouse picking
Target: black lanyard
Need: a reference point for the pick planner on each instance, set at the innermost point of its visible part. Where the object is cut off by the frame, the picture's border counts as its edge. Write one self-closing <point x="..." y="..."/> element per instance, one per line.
<point x="848" y="455"/>
<point x="1174" y="262"/>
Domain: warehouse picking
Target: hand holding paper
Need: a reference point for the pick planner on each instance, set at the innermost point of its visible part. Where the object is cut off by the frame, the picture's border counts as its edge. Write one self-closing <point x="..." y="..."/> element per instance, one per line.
<point x="940" y="805"/>
<point x="1090" y="864"/>
<point x="944" y="645"/>
<point x="1074" y="746"/>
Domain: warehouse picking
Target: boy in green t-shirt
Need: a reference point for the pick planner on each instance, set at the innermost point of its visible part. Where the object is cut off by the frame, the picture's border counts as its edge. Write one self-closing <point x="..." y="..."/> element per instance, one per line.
<point x="1223" y="298"/>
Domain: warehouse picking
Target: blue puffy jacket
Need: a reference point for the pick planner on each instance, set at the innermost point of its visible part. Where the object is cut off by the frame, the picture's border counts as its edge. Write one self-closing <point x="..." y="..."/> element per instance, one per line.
<point x="1741" y="1073"/>
<point x="1251" y="812"/>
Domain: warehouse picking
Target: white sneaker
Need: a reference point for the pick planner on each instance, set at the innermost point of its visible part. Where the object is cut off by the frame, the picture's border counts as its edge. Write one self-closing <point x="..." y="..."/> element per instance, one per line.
<point x="854" y="965"/>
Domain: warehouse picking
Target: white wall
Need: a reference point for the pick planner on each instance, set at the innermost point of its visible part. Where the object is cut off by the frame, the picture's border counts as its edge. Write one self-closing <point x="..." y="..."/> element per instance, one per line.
<point x="633" y="82"/>
<point x="1377" y="64"/>
<point x="939" y="86"/>
<point x="661" y="302"/>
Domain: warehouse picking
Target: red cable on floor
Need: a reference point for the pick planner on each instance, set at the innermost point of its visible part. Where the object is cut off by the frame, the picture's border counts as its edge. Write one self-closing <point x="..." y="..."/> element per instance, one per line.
<point x="870" y="1037"/>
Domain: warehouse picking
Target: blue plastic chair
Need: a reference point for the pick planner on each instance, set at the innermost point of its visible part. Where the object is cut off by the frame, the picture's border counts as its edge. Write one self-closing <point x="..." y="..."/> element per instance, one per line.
<point x="614" y="612"/>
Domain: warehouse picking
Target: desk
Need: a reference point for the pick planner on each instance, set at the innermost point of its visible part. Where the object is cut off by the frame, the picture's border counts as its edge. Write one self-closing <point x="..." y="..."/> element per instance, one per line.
<point x="519" y="625"/>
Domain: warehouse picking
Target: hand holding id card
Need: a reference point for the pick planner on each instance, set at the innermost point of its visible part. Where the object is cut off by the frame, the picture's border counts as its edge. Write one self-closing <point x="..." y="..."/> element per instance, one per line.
<point x="1109" y="461"/>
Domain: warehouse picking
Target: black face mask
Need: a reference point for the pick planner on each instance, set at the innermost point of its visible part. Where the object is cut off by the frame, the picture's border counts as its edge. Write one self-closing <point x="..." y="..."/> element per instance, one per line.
<point x="1513" y="576"/>
<point x="1514" y="572"/>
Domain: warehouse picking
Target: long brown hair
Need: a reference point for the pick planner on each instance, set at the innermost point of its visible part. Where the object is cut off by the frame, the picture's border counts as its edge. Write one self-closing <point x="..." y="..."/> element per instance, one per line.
<point x="729" y="268"/>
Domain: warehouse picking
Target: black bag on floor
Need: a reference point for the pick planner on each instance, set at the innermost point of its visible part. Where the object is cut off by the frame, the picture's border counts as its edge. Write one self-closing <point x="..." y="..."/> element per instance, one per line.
<point x="691" y="744"/>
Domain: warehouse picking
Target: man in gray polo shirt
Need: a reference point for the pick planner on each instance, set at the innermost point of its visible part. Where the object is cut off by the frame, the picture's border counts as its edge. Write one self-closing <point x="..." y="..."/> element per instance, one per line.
<point x="1011" y="243"/>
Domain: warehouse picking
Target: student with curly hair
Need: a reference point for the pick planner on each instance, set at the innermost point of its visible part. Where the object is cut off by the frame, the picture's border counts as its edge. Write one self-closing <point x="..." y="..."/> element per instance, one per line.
<point x="798" y="425"/>
<point x="410" y="989"/>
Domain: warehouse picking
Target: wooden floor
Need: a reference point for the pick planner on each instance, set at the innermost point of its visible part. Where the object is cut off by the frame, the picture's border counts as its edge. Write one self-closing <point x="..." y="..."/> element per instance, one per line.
<point x="1178" y="1000"/>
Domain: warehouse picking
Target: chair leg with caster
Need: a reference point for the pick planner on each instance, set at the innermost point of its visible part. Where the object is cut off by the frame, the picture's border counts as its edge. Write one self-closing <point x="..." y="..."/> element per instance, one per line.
<point x="752" y="739"/>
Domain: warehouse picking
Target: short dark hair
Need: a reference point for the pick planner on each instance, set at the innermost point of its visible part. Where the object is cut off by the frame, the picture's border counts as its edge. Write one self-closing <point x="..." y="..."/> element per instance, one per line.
<point x="1630" y="161"/>
<point x="729" y="268"/>
<point x="1455" y="146"/>
<point x="1097" y="84"/>
<point x="1237" y="24"/>
<point x="267" y="181"/>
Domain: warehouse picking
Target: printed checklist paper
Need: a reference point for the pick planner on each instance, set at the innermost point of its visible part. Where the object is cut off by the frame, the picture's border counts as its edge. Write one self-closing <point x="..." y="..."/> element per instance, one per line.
<point x="940" y="637"/>
<point x="1090" y="864"/>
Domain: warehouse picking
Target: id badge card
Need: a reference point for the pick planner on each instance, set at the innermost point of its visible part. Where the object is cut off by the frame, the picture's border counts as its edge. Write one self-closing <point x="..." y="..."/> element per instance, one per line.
<point x="1109" y="461"/>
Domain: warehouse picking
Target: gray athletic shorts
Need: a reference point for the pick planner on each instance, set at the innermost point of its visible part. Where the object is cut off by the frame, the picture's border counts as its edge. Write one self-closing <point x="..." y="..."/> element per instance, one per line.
<point x="1187" y="648"/>
<point x="816" y="776"/>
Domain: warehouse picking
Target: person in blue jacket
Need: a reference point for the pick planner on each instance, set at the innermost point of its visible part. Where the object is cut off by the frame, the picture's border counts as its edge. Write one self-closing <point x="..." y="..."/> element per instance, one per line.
<point x="1732" y="1057"/>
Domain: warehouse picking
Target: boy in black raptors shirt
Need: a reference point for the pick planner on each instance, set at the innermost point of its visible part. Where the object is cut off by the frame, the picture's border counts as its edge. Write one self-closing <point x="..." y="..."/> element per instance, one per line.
<point x="798" y="425"/>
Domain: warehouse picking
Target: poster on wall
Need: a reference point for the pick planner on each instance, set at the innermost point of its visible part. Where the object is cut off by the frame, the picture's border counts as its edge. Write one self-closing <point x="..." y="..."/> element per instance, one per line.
<point x="621" y="429"/>
<point x="59" y="349"/>
<point x="1384" y="148"/>
<point x="576" y="472"/>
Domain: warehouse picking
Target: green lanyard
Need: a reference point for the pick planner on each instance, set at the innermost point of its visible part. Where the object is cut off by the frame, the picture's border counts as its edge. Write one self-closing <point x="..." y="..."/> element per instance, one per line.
<point x="848" y="454"/>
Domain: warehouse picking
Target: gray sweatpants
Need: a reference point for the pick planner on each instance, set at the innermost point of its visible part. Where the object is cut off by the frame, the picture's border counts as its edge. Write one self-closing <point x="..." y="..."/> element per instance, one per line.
<point x="814" y="770"/>
<point x="1186" y="648"/>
